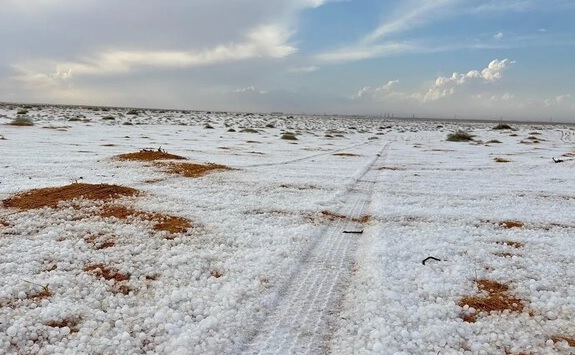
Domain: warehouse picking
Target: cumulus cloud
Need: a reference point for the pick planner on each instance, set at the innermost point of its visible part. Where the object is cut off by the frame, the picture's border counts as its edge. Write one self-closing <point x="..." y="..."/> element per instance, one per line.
<point x="446" y="86"/>
<point x="499" y="36"/>
<point x="367" y="91"/>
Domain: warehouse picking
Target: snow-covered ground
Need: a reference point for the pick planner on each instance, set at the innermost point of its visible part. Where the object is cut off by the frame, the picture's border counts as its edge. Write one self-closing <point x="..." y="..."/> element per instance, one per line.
<point x="262" y="228"/>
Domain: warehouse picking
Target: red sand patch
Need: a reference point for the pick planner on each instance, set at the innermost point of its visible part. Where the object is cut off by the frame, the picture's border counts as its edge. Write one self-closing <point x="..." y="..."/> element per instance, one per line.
<point x="163" y="222"/>
<point x="51" y="196"/>
<point x="497" y="300"/>
<point x="149" y="155"/>
<point x="189" y="169"/>
<point x="558" y="339"/>
<point x="71" y="323"/>
<point x="108" y="273"/>
<point x="511" y="224"/>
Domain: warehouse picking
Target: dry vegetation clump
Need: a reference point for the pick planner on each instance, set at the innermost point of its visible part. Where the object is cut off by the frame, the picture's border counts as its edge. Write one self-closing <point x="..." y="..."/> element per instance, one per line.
<point x="332" y="216"/>
<point x="459" y="136"/>
<point x="346" y="155"/>
<point x="149" y="155"/>
<point x="393" y="168"/>
<point x="504" y="255"/>
<point x="299" y="187"/>
<point x="51" y="196"/>
<point x="502" y="126"/>
<point x="216" y="273"/>
<point x="108" y="273"/>
<point x="496" y="300"/>
<point x="501" y="160"/>
<point x="289" y="136"/>
<point x="22" y="121"/>
<point x="511" y="224"/>
<point x="190" y="169"/>
<point x="35" y="296"/>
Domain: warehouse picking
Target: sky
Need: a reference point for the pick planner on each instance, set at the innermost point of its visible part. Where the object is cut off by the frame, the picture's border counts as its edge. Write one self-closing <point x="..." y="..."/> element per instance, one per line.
<point x="489" y="59"/>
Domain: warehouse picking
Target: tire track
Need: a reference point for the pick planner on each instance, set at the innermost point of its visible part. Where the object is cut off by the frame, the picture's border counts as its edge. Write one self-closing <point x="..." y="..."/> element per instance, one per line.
<point x="305" y="315"/>
<point x="311" y="156"/>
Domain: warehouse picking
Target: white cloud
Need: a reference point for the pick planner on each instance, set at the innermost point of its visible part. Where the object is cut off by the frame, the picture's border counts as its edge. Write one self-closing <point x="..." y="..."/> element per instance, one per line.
<point x="499" y="36"/>
<point x="491" y="6"/>
<point x="367" y="91"/>
<point x="250" y="89"/>
<point x="507" y="97"/>
<point x="557" y="100"/>
<point x="308" y="69"/>
<point x="412" y="14"/>
<point x="262" y="42"/>
<point x="446" y="86"/>
<point x="365" y="52"/>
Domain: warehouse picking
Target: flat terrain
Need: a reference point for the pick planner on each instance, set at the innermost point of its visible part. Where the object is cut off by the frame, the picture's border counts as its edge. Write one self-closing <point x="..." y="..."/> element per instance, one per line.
<point x="170" y="232"/>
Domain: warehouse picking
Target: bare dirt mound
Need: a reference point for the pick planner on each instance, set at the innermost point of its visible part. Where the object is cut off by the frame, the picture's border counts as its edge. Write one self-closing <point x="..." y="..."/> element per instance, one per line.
<point x="184" y="169"/>
<point x="51" y="196"/>
<point x="190" y="169"/>
<point x="150" y="155"/>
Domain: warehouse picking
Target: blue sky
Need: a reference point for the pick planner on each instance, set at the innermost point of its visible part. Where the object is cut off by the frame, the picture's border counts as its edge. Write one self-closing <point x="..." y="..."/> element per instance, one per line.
<point x="441" y="58"/>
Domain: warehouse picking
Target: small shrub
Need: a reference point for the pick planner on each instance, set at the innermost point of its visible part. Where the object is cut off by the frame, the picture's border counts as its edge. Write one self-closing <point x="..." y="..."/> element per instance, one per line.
<point x="22" y="112"/>
<point x="502" y="126"/>
<point x="459" y="136"/>
<point x="108" y="118"/>
<point x="22" y="121"/>
<point x="493" y="141"/>
<point x="501" y="160"/>
<point x="289" y="136"/>
<point x="132" y="112"/>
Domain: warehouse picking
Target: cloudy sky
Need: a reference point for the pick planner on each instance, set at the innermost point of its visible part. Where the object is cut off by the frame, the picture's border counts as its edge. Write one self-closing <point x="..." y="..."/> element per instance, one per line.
<point x="439" y="58"/>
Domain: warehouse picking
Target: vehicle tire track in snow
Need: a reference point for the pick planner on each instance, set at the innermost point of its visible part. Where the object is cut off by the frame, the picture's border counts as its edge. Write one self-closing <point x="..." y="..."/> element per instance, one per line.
<point x="295" y="160"/>
<point x="304" y="317"/>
